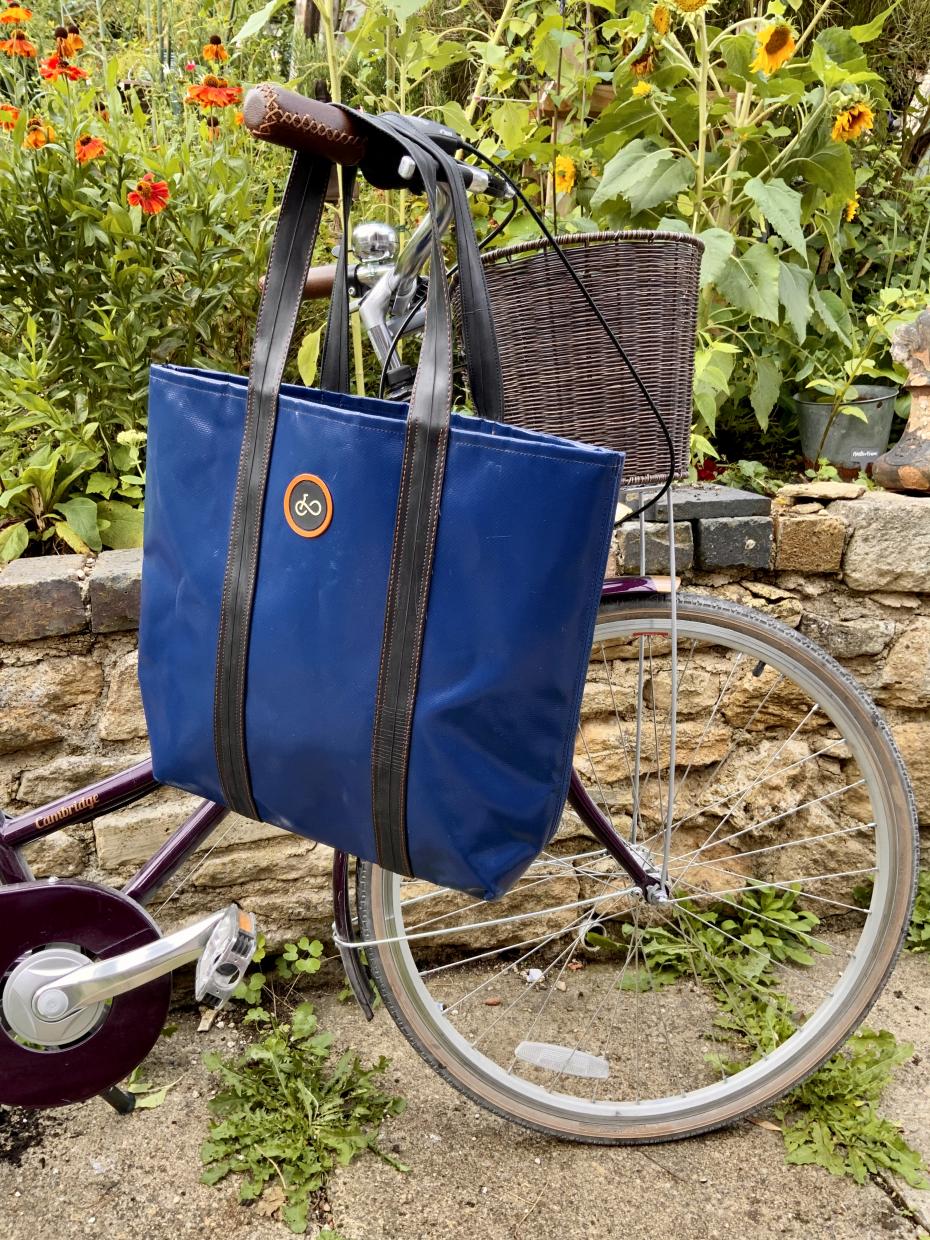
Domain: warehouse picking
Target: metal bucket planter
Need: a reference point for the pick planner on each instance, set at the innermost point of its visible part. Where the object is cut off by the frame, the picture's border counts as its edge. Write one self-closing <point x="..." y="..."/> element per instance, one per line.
<point x="851" y="444"/>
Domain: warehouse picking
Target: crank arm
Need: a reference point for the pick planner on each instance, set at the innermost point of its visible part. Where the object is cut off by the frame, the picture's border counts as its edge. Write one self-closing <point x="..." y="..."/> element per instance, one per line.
<point x="105" y="979"/>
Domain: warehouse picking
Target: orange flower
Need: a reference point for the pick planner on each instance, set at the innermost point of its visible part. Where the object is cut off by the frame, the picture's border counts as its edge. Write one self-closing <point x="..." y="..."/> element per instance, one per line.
<point x="8" y="116"/>
<point x="74" y="34"/>
<point x="214" y="49"/>
<point x="213" y="92"/>
<point x="643" y="65"/>
<point x="18" y="44"/>
<point x="15" y="14"/>
<point x="239" y="118"/>
<point x="54" y="67"/>
<point x="87" y="147"/>
<point x="151" y="195"/>
<point x="213" y="128"/>
<point x="102" y="110"/>
<point x="38" y="132"/>
<point x="63" y="44"/>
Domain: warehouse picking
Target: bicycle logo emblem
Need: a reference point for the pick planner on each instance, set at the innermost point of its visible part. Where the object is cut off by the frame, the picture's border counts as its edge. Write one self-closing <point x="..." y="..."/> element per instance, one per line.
<point x="308" y="505"/>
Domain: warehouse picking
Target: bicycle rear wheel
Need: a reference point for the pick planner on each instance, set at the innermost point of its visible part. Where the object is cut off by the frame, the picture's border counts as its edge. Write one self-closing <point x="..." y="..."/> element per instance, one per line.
<point x="574" y="1007"/>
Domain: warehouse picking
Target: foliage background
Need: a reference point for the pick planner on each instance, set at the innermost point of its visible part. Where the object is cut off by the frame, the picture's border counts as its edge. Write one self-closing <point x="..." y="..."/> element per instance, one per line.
<point x="612" y="116"/>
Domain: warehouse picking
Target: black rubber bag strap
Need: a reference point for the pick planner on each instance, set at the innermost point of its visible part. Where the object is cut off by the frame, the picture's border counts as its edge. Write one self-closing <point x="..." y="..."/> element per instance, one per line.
<point x="291" y="251"/>
<point x="482" y="355"/>
<point x="418" y="502"/>
<point x="334" y="369"/>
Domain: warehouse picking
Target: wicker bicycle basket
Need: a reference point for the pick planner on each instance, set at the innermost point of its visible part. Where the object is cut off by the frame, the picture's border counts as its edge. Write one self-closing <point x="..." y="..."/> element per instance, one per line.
<point x="561" y="372"/>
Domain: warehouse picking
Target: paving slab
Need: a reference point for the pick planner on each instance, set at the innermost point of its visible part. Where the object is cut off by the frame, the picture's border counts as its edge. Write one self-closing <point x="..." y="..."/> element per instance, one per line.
<point x="86" y="1171"/>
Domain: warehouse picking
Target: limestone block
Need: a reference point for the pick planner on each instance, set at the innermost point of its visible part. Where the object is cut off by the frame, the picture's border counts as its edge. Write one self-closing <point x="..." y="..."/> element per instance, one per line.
<point x="44" y="701"/>
<point x="626" y="547"/>
<point x="822" y="490"/>
<point x="41" y="597"/>
<point x="905" y="678"/>
<point x="59" y="854"/>
<point x="122" y="718"/>
<point x="114" y="591"/>
<point x="913" y="739"/>
<point x="63" y="775"/>
<point x="889" y="542"/>
<point x="848" y="639"/>
<point x="128" y="837"/>
<point x="809" y="544"/>
<point x="284" y="858"/>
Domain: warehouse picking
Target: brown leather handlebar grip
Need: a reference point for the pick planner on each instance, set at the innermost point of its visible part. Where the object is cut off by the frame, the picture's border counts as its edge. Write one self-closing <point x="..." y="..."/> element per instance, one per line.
<point x="320" y="281"/>
<point x="301" y="124"/>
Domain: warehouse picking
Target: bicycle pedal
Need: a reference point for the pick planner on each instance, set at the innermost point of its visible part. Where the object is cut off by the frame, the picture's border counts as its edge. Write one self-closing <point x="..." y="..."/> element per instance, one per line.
<point x="226" y="957"/>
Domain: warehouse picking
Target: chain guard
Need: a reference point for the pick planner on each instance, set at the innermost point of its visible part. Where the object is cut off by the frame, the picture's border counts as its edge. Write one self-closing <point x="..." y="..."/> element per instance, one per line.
<point x="100" y="923"/>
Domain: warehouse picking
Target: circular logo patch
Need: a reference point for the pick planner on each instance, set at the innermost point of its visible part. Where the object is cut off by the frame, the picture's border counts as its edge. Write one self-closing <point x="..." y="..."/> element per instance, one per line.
<point x="308" y="505"/>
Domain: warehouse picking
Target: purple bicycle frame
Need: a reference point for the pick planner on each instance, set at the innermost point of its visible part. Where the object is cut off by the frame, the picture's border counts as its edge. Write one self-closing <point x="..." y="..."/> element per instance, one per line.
<point x="138" y="781"/>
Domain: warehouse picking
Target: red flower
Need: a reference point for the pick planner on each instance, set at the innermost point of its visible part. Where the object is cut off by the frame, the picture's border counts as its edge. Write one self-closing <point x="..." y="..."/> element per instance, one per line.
<point x="8" y="116"/>
<point x="87" y="147"/>
<point x="213" y="92"/>
<point x="191" y="66"/>
<point x="151" y="195"/>
<point x="55" y="67"/>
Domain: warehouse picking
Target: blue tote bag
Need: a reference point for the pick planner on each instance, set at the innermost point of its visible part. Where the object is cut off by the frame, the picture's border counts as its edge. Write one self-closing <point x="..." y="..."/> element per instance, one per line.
<point x="366" y="622"/>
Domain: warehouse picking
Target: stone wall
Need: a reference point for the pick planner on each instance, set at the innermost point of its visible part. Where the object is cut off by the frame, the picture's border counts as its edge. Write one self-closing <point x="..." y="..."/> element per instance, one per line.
<point x="850" y="568"/>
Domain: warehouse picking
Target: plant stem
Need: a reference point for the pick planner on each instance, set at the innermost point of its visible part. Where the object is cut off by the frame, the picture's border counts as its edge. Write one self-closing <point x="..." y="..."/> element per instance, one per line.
<point x="813" y="24"/>
<point x="496" y="36"/>
<point x="704" y="58"/>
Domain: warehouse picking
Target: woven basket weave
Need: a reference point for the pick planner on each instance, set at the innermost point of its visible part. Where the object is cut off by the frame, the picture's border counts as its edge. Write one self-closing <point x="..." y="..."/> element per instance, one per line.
<point x="561" y="372"/>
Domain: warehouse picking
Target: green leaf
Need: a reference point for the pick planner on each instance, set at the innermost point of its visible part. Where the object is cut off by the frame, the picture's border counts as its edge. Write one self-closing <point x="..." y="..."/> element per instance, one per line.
<point x="403" y="10"/>
<point x="781" y="206"/>
<point x="123" y="526"/>
<point x="794" y="293"/>
<point x="644" y="175"/>
<point x="833" y="313"/>
<point x="14" y="539"/>
<point x="100" y="484"/>
<point x="511" y="122"/>
<point x="258" y="21"/>
<point x="871" y="30"/>
<point x="308" y="355"/>
<point x="718" y="246"/>
<point x="71" y="537"/>
<point x="764" y="396"/>
<point x="750" y="282"/>
<point x="830" y="169"/>
<point x="81" y="515"/>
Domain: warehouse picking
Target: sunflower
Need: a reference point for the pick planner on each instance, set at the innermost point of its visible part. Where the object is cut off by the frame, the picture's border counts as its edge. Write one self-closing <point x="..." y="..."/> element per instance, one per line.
<point x="18" y="44"/>
<point x="643" y="65"/>
<point x="38" y="132"/>
<point x="54" y="67"/>
<point x="213" y="92"/>
<point x="565" y="173"/>
<point x="642" y="89"/>
<point x="15" y="14"/>
<point x="214" y="49"/>
<point x="852" y="122"/>
<point x="851" y="210"/>
<point x="151" y="195"/>
<point x="8" y="116"/>
<point x="774" y="45"/>
<point x="691" y="6"/>
<point x="87" y="147"/>
<point x="661" y="19"/>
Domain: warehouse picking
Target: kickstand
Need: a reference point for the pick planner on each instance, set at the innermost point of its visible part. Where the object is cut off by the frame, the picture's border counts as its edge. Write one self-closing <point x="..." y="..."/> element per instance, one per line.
<point x="119" y="1099"/>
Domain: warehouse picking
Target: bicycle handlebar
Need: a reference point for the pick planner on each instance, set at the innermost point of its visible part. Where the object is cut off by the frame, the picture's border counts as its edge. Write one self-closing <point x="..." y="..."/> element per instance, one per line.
<point x="300" y="124"/>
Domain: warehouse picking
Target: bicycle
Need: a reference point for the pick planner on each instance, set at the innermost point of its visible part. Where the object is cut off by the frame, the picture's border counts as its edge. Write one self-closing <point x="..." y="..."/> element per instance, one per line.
<point x="720" y="754"/>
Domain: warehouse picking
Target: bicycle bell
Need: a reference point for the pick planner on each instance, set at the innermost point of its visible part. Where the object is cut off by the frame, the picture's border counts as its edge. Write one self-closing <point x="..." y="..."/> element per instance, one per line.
<point x="374" y="242"/>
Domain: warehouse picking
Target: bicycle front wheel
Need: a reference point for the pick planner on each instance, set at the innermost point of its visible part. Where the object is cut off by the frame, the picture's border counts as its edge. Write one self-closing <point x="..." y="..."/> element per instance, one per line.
<point x="574" y="1007"/>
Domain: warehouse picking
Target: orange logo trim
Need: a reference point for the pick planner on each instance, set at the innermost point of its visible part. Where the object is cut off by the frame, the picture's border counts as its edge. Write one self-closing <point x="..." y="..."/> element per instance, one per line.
<point x="290" y="511"/>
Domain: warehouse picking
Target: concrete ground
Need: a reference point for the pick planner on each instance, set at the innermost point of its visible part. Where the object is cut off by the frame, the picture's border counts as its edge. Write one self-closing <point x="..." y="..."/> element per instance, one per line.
<point x="85" y="1171"/>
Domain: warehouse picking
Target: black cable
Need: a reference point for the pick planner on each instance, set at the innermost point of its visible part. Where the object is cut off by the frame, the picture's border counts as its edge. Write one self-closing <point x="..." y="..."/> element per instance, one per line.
<point x="417" y="305"/>
<point x="541" y="224"/>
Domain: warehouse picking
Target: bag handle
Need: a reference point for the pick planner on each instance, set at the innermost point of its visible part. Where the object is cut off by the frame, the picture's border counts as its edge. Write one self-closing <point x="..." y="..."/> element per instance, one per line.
<point x="420" y="489"/>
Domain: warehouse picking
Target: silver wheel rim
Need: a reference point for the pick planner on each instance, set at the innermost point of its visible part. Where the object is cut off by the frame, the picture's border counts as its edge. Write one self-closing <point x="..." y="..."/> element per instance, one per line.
<point x="771" y="1075"/>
